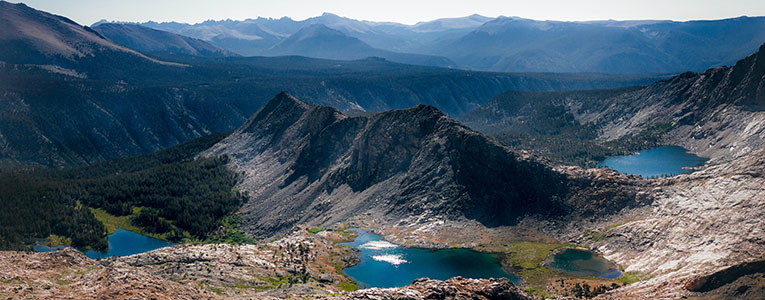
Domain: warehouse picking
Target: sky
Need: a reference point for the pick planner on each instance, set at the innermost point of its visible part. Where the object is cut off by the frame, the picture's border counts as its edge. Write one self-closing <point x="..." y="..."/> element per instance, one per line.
<point x="87" y="12"/>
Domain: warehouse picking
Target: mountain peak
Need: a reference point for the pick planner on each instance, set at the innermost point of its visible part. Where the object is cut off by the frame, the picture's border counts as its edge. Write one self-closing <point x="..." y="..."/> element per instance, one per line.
<point x="283" y="109"/>
<point x="316" y="29"/>
<point x="284" y="98"/>
<point x="416" y="157"/>
<point x="425" y="110"/>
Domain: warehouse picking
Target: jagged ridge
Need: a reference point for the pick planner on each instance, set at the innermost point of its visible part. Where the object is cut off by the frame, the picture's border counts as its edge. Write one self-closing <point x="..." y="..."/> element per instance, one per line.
<point x="312" y="164"/>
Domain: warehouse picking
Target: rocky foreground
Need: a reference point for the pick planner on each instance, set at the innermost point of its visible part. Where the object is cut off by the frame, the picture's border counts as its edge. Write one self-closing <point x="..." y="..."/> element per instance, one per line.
<point x="298" y="267"/>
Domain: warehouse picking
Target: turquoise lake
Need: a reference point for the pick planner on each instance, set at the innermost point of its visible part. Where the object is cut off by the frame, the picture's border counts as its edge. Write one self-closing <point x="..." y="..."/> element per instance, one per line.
<point x="384" y="264"/>
<point x="121" y="243"/>
<point x="583" y="263"/>
<point x="659" y="161"/>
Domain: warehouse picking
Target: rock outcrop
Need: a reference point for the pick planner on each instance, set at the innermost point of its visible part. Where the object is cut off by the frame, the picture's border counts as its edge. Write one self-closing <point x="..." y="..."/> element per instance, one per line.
<point x="68" y="274"/>
<point x="452" y="289"/>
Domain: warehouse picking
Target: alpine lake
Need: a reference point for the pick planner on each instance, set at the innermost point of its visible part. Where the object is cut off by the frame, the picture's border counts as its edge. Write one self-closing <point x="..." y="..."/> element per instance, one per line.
<point x="655" y="162"/>
<point x="384" y="264"/>
<point x="121" y="243"/>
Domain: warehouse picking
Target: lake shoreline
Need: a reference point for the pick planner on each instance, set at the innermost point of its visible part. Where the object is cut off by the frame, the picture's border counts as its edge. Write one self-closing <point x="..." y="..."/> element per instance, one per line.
<point x="120" y="243"/>
<point x="404" y="264"/>
<point x="660" y="161"/>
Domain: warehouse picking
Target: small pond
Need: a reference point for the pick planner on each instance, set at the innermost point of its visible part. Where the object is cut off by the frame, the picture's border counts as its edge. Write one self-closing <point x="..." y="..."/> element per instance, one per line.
<point x="384" y="264"/>
<point x="583" y="263"/>
<point x="121" y="243"/>
<point x="655" y="162"/>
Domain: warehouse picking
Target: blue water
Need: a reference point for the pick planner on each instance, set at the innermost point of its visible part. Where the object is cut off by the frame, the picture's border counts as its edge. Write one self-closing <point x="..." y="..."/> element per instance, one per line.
<point x="386" y="265"/>
<point x="659" y="161"/>
<point x="584" y="263"/>
<point x="121" y="243"/>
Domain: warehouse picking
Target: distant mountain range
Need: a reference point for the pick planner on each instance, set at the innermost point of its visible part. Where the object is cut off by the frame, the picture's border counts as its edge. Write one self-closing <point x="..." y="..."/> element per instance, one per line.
<point x="504" y="44"/>
<point x="517" y="44"/>
<point x="71" y="96"/>
<point x="320" y="41"/>
<point x="152" y="41"/>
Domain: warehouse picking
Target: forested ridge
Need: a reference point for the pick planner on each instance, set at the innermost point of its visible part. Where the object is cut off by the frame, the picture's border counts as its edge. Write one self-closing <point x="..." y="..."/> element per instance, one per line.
<point x="169" y="192"/>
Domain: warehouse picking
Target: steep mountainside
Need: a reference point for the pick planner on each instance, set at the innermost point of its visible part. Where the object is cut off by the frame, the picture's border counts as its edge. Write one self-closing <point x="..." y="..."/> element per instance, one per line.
<point x="717" y="114"/>
<point x="147" y="40"/>
<point x="396" y="164"/>
<point x="59" y="45"/>
<point x="320" y="41"/>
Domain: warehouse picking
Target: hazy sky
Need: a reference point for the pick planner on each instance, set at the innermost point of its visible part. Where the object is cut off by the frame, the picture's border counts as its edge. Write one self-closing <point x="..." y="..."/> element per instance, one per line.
<point x="404" y="11"/>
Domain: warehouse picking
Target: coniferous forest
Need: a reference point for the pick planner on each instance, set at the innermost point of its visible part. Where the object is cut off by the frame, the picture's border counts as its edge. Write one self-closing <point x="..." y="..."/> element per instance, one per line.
<point x="169" y="192"/>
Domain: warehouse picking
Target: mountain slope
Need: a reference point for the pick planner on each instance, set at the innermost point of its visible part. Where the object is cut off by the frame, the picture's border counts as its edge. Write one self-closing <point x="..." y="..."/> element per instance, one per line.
<point x="396" y="164"/>
<point x="35" y="37"/>
<point x="147" y="40"/>
<point x="320" y="41"/>
<point x="717" y="114"/>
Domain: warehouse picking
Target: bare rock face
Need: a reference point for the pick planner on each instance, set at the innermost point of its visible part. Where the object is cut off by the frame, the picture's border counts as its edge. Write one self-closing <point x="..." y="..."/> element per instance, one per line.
<point x="726" y="276"/>
<point x="699" y="223"/>
<point x="307" y="164"/>
<point x="452" y="289"/>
